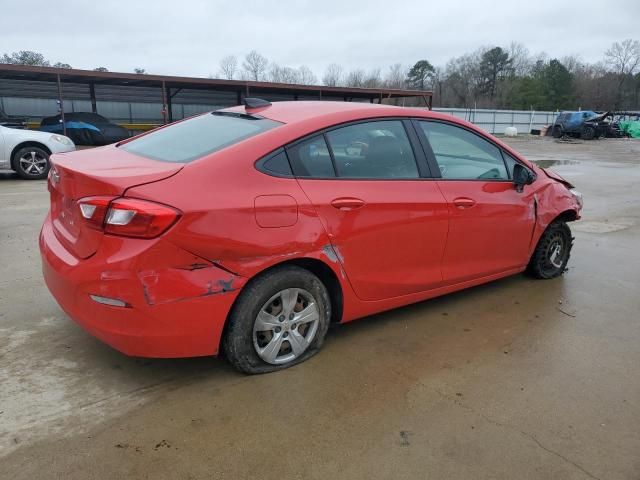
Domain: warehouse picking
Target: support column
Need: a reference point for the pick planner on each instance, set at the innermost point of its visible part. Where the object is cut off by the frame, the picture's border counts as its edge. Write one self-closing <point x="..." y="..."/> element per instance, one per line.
<point x="61" y="102"/>
<point x="92" y="93"/>
<point x="169" y="104"/>
<point x="164" y="102"/>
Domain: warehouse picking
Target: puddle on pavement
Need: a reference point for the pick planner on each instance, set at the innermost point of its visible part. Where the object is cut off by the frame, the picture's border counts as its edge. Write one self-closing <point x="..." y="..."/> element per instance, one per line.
<point x="551" y="163"/>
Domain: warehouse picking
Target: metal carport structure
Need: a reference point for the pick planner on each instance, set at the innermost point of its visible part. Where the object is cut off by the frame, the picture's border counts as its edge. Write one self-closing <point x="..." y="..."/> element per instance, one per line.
<point x="169" y="86"/>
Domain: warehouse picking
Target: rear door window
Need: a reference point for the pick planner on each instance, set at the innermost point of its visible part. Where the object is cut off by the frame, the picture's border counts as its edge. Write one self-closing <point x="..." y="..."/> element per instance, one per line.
<point x="379" y="149"/>
<point x="196" y="137"/>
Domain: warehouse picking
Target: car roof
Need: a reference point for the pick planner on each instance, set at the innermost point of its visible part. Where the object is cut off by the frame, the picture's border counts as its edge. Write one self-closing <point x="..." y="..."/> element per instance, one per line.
<point x="298" y="111"/>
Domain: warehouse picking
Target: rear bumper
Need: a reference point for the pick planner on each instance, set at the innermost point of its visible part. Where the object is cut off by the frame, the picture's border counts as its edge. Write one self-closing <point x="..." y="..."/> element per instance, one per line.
<point x="171" y="311"/>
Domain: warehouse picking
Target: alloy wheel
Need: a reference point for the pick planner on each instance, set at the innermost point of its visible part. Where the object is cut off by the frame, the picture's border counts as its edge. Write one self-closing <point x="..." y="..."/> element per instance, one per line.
<point x="33" y="163"/>
<point x="285" y="326"/>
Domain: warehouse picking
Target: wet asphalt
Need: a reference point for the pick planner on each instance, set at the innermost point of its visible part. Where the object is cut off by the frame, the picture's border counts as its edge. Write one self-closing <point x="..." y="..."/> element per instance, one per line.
<point x="519" y="378"/>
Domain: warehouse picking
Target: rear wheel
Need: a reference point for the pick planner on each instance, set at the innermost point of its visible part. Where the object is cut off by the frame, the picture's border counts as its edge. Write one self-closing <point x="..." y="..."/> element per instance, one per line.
<point x="280" y="319"/>
<point x="31" y="163"/>
<point x="557" y="131"/>
<point x="549" y="259"/>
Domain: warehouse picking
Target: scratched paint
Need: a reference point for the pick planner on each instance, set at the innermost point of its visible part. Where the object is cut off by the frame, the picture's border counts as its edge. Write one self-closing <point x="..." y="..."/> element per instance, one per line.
<point x="178" y="284"/>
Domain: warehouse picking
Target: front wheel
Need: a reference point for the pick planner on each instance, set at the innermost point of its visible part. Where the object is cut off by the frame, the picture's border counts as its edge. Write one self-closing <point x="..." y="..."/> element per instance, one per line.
<point x="549" y="259"/>
<point x="279" y="320"/>
<point x="588" y="132"/>
<point x="31" y="163"/>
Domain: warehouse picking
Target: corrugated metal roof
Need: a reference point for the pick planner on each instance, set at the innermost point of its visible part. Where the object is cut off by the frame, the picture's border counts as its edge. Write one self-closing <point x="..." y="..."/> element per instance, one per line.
<point x="75" y="76"/>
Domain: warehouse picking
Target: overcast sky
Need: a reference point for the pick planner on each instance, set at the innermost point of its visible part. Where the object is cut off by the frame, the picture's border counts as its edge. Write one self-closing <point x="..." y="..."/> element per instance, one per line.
<point x="189" y="37"/>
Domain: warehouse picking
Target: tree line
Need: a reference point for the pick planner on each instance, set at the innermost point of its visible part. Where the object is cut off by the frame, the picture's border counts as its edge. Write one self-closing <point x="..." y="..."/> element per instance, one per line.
<point x="489" y="77"/>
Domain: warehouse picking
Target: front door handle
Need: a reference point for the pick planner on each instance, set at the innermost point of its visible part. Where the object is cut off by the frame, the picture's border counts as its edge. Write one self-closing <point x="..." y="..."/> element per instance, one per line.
<point x="464" y="202"/>
<point x="347" y="203"/>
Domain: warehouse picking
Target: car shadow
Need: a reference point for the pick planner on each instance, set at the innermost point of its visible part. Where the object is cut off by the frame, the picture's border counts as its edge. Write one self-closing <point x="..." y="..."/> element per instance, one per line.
<point x="9" y="175"/>
<point x="483" y="309"/>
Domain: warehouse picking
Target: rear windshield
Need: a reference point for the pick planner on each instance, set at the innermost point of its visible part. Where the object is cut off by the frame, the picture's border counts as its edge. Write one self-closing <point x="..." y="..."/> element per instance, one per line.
<point x="192" y="139"/>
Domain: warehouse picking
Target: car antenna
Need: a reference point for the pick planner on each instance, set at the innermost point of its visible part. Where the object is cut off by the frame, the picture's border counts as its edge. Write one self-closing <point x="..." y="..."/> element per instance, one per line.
<point x="252" y="102"/>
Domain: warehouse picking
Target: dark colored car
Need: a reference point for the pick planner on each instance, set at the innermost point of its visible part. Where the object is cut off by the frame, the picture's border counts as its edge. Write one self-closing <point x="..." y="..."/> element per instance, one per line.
<point x="85" y="128"/>
<point x="585" y="124"/>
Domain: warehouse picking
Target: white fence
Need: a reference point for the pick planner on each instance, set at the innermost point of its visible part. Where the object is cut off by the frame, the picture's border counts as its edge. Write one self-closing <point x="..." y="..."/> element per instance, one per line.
<point x="495" y="121"/>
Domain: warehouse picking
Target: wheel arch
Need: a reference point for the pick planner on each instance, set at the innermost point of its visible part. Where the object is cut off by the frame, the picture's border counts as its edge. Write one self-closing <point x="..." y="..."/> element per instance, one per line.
<point x="321" y="270"/>
<point x="569" y="215"/>
<point x="29" y="143"/>
<point x="330" y="280"/>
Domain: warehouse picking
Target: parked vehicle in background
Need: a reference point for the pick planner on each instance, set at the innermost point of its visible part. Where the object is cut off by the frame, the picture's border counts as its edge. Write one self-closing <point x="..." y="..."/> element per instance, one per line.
<point x="585" y="124"/>
<point x="249" y="230"/>
<point x="86" y="128"/>
<point x="11" y="121"/>
<point x="625" y="124"/>
<point x="27" y="151"/>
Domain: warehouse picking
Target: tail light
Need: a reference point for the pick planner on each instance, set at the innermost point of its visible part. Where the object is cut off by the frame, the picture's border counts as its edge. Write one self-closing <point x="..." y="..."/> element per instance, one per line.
<point x="127" y="217"/>
<point x="94" y="209"/>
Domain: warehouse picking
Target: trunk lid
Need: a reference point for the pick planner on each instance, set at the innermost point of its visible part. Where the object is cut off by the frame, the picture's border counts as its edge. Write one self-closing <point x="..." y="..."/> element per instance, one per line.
<point x="106" y="171"/>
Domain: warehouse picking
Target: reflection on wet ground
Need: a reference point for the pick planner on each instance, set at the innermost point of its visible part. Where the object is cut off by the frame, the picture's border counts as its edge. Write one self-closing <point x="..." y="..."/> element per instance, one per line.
<point x="551" y="163"/>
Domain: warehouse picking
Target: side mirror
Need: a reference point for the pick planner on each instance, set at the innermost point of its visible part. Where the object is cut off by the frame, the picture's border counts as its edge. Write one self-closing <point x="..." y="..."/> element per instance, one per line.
<point x="522" y="176"/>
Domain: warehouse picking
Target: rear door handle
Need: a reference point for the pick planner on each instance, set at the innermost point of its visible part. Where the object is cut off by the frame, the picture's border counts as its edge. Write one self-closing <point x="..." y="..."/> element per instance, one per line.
<point x="347" y="203"/>
<point x="464" y="202"/>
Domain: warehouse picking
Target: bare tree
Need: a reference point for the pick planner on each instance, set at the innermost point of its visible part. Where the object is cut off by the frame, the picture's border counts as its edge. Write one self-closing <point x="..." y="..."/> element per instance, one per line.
<point x="62" y="65"/>
<point x="278" y="74"/>
<point x="438" y="84"/>
<point x="520" y="59"/>
<point x="255" y="65"/>
<point x="395" y="76"/>
<point x="306" y="76"/>
<point x="463" y="78"/>
<point x="355" y="78"/>
<point x="100" y="69"/>
<point x="228" y="67"/>
<point x="372" y="79"/>
<point x="572" y="63"/>
<point x="332" y="75"/>
<point x="624" y="58"/>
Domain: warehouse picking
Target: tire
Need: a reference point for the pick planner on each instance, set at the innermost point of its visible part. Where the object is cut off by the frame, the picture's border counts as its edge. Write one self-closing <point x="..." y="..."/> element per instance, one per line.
<point x="557" y="131"/>
<point x="250" y="349"/>
<point x="85" y="137"/>
<point x="588" y="133"/>
<point x="546" y="262"/>
<point x="31" y="163"/>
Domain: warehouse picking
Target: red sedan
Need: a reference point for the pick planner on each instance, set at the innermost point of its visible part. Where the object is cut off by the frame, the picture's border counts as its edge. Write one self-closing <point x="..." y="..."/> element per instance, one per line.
<point x="249" y="230"/>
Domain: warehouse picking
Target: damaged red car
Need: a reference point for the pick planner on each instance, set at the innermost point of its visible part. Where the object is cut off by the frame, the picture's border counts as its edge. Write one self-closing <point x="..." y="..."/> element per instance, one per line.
<point x="248" y="231"/>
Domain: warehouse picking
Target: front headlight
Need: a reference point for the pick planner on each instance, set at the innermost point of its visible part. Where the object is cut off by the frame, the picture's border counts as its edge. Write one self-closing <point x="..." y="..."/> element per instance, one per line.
<point x="61" y="139"/>
<point x="577" y="195"/>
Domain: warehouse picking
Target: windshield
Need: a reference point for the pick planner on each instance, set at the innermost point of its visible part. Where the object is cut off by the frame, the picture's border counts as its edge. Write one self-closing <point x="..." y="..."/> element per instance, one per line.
<point x="196" y="137"/>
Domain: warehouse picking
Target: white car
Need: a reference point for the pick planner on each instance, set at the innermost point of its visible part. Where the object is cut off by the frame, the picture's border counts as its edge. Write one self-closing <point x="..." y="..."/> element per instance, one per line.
<point x="27" y="151"/>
